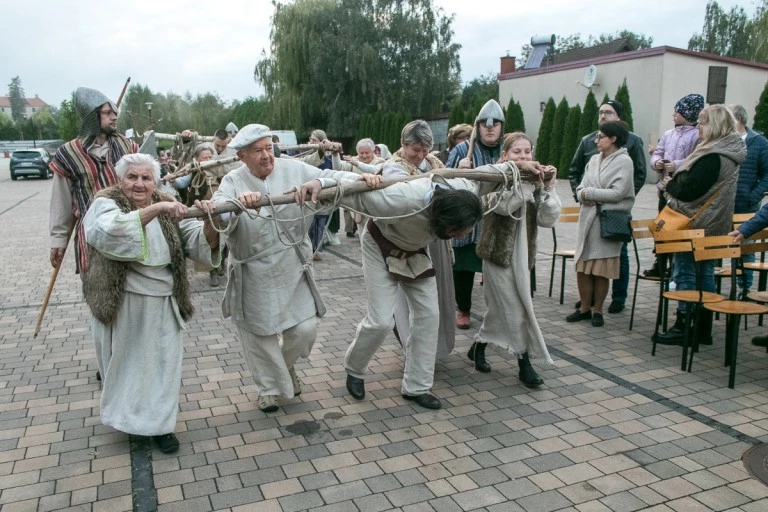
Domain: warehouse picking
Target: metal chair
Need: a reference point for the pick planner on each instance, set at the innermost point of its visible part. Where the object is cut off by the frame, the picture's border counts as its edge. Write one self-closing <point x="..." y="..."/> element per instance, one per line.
<point x="722" y="247"/>
<point x="568" y="214"/>
<point x="667" y="243"/>
<point x="640" y="230"/>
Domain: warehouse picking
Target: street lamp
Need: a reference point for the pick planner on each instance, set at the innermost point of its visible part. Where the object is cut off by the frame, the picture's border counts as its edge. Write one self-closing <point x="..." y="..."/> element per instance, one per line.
<point x="149" y="107"/>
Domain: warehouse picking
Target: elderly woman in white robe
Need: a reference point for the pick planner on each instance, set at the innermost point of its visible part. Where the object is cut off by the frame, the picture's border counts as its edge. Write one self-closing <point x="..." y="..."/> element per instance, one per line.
<point x="507" y="246"/>
<point x="135" y="284"/>
<point x="271" y="293"/>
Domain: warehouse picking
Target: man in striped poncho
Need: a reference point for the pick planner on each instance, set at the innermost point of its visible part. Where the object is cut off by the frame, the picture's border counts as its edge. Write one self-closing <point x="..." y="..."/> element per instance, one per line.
<point x="82" y="167"/>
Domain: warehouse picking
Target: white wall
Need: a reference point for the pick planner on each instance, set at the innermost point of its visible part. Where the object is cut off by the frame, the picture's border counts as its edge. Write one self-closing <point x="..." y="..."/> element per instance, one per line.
<point x="655" y="82"/>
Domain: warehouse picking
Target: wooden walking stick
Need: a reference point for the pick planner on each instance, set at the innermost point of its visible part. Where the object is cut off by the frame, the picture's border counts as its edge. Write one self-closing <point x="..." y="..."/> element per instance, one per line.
<point x="50" y="285"/>
<point x="56" y="269"/>
<point x="356" y="187"/>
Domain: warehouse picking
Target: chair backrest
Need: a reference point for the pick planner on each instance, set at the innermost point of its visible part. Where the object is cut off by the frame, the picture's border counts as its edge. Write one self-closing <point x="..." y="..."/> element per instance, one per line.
<point x="569" y="213"/>
<point x="676" y="241"/>
<point x="756" y="243"/>
<point x="740" y="218"/>
<point x="715" y="248"/>
<point x="640" y="229"/>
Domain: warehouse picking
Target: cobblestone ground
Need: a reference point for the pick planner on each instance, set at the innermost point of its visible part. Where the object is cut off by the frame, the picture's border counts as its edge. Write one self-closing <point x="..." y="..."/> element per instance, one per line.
<point x="613" y="428"/>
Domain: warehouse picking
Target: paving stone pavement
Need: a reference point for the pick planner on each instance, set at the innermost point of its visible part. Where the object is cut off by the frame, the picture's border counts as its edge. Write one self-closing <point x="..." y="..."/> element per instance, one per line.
<point x="613" y="428"/>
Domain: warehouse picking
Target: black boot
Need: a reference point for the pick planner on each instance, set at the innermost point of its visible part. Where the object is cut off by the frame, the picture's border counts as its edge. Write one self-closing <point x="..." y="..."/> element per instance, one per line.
<point x="673" y="336"/>
<point x="477" y="354"/>
<point x="528" y="375"/>
<point x="703" y="330"/>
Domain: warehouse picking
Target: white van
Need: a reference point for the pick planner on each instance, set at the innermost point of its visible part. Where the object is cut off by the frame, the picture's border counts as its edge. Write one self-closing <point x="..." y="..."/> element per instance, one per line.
<point x="287" y="137"/>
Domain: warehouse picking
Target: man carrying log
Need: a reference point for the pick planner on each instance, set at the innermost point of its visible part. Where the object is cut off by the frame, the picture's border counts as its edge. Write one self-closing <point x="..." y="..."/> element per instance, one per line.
<point x="82" y="167"/>
<point x="271" y="289"/>
<point x="406" y="218"/>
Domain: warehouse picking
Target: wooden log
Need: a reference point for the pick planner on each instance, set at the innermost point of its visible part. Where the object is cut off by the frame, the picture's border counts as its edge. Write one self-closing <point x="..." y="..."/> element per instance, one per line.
<point x="168" y="136"/>
<point x="210" y="164"/>
<point x="356" y="187"/>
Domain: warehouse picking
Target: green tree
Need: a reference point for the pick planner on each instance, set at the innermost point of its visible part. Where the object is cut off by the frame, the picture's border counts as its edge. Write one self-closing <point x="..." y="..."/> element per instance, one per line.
<point x="404" y="58"/>
<point x="622" y="96"/>
<point x="570" y="141"/>
<point x="760" y="122"/>
<point x="69" y="122"/>
<point x="728" y="34"/>
<point x="457" y="116"/>
<point x="588" y="122"/>
<point x="8" y="130"/>
<point x="16" y="98"/>
<point x="606" y="99"/>
<point x="558" y="131"/>
<point x="545" y="131"/>
<point x="514" y="120"/>
<point x="479" y="90"/>
<point x="251" y="110"/>
<point x="42" y="124"/>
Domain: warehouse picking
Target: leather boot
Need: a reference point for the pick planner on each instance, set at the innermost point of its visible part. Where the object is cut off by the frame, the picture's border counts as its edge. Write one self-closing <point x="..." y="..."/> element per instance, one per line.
<point x="528" y="375"/>
<point x="477" y="354"/>
<point x="703" y="330"/>
<point x="674" y="336"/>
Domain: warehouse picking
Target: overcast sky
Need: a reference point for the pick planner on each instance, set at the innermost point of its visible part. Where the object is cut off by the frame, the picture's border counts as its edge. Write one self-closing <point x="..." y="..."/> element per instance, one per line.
<point x="201" y="46"/>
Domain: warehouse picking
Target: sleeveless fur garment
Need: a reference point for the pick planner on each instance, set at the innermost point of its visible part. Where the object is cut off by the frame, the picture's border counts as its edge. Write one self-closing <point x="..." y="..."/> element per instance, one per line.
<point x="104" y="279"/>
<point x="497" y="240"/>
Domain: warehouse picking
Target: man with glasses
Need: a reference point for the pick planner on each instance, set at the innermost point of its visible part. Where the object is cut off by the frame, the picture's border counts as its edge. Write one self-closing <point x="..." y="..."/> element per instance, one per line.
<point x="82" y="167"/>
<point x="611" y="111"/>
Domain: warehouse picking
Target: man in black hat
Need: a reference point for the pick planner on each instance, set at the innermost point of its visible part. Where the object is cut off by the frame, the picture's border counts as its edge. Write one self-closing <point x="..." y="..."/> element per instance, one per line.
<point x="611" y="111"/>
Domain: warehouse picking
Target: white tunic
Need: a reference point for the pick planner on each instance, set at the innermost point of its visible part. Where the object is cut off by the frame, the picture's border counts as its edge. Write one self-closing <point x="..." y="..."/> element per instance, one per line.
<point x="270" y="287"/>
<point x="140" y="355"/>
<point x="510" y="321"/>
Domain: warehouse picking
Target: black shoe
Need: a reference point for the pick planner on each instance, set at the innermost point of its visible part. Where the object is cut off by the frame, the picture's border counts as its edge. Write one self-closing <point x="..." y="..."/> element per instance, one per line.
<point x="167" y="443"/>
<point x="425" y="400"/>
<point x="350" y="234"/>
<point x="98" y="375"/>
<point x="356" y="387"/>
<point x="616" y="307"/>
<point x="528" y="375"/>
<point x="597" y="320"/>
<point x="477" y="354"/>
<point x="577" y="305"/>
<point x="654" y="271"/>
<point x="578" y="316"/>
<point x="674" y="336"/>
<point x="760" y="341"/>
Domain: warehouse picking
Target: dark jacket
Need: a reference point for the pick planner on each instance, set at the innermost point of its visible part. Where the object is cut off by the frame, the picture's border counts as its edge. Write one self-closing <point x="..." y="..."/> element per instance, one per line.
<point x="588" y="148"/>
<point x="756" y="223"/>
<point x="753" y="174"/>
<point x="715" y="165"/>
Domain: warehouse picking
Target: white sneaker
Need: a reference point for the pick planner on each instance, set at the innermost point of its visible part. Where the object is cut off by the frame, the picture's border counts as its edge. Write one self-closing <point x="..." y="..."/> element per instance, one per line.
<point x="333" y="239"/>
<point x="296" y="381"/>
<point x="267" y="403"/>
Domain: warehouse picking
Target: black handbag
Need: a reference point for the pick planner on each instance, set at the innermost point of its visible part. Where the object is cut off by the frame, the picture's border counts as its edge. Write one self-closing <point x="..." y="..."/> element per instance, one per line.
<point x="615" y="225"/>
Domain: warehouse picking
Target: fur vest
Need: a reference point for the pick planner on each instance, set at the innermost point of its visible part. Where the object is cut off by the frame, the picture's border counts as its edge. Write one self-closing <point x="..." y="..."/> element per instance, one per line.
<point x="399" y="159"/>
<point x="497" y="240"/>
<point x="104" y="279"/>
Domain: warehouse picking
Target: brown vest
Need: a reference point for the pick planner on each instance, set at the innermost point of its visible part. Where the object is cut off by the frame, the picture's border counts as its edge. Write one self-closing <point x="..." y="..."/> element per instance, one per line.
<point x="104" y="279"/>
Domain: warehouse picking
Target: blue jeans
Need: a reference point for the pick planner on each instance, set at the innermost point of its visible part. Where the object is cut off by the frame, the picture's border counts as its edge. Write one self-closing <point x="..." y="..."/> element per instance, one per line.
<point x="684" y="275"/>
<point x="746" y="258"/>
<point x="621" y="285"/>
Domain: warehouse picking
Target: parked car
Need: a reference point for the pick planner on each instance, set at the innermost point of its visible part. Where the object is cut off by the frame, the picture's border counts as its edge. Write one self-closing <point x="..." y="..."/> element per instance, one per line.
<point x="30" y="162"/>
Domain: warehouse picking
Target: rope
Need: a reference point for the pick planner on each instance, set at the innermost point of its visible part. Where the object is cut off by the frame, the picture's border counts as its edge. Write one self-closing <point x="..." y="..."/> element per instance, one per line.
<point x="514" y="186"/>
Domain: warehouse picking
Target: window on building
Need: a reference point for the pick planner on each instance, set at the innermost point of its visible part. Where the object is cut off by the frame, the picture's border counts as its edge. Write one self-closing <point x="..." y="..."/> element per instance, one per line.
<point x="718" y="79"/>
